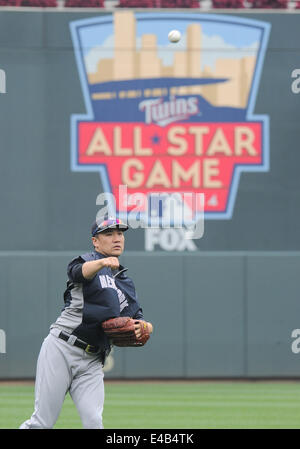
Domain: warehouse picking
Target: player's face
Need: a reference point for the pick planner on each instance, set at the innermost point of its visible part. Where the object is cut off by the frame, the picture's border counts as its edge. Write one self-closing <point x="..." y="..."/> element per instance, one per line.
<point x="110" y="242"/>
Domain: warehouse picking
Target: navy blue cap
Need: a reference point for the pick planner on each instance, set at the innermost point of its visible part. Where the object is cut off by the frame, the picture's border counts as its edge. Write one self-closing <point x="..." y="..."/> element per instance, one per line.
<point x="110" y="223"/>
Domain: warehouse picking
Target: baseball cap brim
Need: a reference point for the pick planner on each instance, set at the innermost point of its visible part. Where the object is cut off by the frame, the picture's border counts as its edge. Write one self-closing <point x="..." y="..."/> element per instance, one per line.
<point x="108" y="224"/>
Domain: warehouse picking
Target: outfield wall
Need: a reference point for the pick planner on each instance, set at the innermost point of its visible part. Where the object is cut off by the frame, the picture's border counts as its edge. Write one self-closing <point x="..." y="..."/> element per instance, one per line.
<point x="214" y="314"/>
<point x="226" y="309"/>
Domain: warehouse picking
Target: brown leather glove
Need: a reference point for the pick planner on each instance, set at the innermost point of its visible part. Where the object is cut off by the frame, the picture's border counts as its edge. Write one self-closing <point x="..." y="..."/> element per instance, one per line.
<point x="122" y="331"/>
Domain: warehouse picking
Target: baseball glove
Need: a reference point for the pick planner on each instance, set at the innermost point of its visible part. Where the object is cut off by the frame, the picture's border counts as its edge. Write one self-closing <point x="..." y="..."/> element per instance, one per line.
<point x="121" y="331"/>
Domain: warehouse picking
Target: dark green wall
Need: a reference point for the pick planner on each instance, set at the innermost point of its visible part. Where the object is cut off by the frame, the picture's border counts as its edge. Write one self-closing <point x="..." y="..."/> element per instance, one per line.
<point x="215" y="314"/>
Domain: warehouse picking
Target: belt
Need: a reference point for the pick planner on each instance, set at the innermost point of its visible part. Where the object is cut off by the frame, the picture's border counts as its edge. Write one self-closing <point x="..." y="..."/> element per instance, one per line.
<point x="79" y="343"/>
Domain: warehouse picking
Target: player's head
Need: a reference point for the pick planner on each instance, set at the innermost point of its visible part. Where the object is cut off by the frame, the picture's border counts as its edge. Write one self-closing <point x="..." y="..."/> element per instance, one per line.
<point x="108" y="236"/>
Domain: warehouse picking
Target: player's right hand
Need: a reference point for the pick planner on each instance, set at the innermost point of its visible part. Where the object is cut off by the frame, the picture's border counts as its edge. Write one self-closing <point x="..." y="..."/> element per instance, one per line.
<point x="111" y="262"/>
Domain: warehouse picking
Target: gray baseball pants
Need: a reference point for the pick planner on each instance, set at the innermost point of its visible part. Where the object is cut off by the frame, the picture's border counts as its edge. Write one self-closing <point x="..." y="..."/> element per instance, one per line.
<point x="63" y="368"/>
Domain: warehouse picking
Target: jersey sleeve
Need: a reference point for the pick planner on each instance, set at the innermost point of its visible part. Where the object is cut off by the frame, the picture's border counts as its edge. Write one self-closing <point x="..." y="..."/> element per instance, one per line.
<point x="133" y="308"/>
<point x="75" y="270"/>
<point x="139" y="314"/>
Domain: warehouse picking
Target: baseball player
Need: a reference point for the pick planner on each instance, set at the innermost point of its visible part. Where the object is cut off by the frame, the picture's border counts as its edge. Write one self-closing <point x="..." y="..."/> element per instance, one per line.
<point x="100" y="309"/>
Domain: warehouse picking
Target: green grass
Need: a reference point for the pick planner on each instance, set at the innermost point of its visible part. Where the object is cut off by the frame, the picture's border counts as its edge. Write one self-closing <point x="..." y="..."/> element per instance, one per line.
<point x="173" y="405"/>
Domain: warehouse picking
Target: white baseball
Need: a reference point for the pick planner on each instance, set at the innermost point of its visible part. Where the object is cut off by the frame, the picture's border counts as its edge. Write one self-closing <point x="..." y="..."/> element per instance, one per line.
<point x="174" y="36"/>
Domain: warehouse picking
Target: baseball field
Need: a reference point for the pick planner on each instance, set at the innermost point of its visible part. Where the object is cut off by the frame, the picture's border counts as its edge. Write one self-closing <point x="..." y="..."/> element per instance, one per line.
<point x="172" y="405"/>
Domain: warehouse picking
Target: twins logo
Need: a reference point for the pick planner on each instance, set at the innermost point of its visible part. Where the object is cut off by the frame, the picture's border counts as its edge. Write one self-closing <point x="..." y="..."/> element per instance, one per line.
<point x="166" y="118"/>
<point x="165" y="112"/>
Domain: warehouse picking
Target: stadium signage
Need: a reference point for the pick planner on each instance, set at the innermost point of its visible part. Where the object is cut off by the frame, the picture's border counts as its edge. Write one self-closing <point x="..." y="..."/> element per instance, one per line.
<point x="2" y="82"/>
<point x="166" y="118"/>
<point x="2" y="341"/>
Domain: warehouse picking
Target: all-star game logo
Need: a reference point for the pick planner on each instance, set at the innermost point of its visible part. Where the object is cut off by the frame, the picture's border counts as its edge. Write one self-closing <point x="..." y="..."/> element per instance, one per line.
<point x="166" y="118"/>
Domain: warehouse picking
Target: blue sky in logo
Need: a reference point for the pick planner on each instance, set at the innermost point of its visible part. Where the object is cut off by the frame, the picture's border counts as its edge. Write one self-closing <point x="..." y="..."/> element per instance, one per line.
<point x="219" y="39"/>
<point x="236" y="35"/>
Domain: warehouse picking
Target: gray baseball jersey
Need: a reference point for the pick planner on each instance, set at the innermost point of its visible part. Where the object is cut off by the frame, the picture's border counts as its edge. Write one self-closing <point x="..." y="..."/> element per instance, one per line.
<point x="73" y="354"/>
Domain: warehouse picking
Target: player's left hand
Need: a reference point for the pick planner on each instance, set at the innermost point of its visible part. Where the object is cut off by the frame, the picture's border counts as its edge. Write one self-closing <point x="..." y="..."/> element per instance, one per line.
<point x="141" y="325"/>
<point x="126" y="331"/>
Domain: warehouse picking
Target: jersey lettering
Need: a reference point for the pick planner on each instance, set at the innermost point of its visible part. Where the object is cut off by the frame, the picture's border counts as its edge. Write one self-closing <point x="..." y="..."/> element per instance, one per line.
<point x="108" y="282"/>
